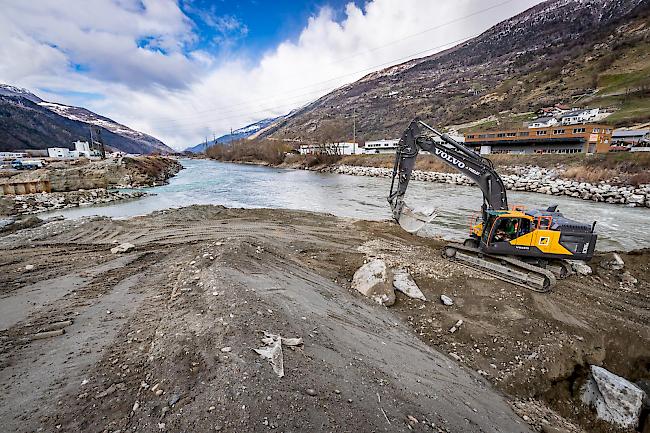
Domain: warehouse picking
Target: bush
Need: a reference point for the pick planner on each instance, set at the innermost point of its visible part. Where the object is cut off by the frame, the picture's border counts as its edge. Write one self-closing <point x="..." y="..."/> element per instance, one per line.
<point x="269" y="151"/>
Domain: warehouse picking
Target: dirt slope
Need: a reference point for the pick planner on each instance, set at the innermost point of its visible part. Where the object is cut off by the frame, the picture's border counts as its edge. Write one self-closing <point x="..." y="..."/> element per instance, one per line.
<point x="204" y="278"/>
<point x="162" y="314"/>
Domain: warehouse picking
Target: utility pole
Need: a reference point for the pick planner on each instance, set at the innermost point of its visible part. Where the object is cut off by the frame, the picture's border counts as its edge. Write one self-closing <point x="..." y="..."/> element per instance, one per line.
<point x="354" y="125"/>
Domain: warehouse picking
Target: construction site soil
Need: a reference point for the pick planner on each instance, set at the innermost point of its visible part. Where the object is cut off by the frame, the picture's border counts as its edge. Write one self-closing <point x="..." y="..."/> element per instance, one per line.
<point x="161" y="337"/>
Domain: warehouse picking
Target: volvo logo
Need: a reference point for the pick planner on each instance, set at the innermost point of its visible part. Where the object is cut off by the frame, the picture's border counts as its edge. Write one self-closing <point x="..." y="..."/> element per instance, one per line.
<point x="450" y="158"/>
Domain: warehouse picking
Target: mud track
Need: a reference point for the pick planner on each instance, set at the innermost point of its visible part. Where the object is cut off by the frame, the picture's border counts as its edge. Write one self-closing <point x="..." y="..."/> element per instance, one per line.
<point x="144" y="352"/>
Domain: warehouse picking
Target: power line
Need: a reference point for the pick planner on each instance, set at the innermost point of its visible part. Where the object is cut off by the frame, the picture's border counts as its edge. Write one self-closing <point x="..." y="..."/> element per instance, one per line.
<point x="372" y="68"/>
<point x="356" y="54"/>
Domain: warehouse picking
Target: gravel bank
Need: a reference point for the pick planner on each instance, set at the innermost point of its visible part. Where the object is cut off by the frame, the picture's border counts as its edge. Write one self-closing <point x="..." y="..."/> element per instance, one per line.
<point x="532" y="179"/>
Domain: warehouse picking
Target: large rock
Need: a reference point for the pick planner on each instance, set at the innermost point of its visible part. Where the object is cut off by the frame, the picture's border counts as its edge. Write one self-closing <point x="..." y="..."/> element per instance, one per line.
<point x="375" y="281"/>
<point x="403" y="282"/>
<point x="615" y="399"/>
<point x="122" y="248"/>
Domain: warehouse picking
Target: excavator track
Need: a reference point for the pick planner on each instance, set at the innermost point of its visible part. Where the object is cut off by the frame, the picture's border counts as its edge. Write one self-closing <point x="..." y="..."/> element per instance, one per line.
<point x="504" y="268"/>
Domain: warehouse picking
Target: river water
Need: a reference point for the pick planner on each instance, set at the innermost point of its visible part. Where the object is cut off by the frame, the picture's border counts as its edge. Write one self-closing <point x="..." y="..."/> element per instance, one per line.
<point x="248" y="186"/>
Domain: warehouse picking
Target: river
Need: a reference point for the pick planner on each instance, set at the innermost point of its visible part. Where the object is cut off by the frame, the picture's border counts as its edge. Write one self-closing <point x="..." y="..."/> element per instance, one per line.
<point x="248" y="186"/>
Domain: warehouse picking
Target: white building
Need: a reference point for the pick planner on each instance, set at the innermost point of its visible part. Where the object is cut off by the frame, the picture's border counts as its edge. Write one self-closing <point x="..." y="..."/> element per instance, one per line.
<point x="83" y="149"/>
<point x="58" y="152"/>
<point x="342" y="148"/>
<point x="579" y="116"/>
<point x="543" y="122"/>
<point x="381" y="146"/>
<point x="12" y="155"/>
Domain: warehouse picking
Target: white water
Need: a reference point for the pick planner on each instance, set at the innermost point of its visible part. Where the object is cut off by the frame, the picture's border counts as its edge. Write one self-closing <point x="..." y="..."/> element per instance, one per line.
<point x="246" y="186"/>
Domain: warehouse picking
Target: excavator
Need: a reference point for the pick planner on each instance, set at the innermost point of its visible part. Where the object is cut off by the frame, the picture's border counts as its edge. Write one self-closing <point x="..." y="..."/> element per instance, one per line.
<point x="529" y="248"/>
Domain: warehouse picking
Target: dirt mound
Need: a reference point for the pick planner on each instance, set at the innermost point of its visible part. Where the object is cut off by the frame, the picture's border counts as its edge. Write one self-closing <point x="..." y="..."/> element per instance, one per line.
<point x="163" y="336"/>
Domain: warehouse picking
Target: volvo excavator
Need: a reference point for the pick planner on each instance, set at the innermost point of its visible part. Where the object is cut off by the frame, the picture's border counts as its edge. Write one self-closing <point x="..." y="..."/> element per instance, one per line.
<point x="524" y="247"/>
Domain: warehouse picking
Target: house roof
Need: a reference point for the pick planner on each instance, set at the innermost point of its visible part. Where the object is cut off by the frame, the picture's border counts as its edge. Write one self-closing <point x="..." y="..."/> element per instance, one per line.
<point x="543" y="119"/>
<point x="630" y="133"/>
<point x="573" y="113"/>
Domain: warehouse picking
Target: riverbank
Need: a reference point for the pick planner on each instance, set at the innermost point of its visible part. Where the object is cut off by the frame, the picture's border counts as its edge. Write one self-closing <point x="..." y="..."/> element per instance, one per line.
<point x="160" y="337"/>
<point x="614" y="179"/>
<point x="83" y="183"/>
<point x="531" y="179"/>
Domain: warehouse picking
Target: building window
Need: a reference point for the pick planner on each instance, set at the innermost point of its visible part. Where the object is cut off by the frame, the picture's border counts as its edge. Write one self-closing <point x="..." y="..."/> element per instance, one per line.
<point x="511" y="134"/>
<point x="596" y="130"/>
<point x="559" y="131"/>
<point x="524" y="134"/>
<point x="578" y="130"/>
<point x="501" y="134"/>
<point x="470" y="136"/>
<point x="541" y="132"/>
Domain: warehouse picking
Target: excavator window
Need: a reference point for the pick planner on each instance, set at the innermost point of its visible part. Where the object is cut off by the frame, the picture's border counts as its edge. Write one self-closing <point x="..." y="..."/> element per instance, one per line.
<point x="507" y="229"/>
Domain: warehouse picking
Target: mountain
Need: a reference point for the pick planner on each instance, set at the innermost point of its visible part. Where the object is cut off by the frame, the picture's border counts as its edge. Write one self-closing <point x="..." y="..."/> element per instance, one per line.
<point x="28" y="122"/>
<point x="577" y="52"/>
<point x="245" y="132"/>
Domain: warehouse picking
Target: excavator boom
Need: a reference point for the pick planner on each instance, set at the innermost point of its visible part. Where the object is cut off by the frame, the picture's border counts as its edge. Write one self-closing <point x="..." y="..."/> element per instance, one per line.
<point x="418" y="136"/>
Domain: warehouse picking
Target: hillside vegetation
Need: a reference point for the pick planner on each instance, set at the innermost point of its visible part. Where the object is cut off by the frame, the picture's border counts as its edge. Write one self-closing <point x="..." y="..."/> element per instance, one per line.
<point x="588" y="53"/>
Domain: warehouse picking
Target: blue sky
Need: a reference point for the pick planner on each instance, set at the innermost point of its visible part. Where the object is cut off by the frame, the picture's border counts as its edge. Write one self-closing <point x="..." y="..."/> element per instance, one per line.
<point x="185" y="69"/>
<point x="266" y="22"/>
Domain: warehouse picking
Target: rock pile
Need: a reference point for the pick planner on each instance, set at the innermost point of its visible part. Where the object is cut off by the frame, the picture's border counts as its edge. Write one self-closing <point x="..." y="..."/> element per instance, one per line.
<point x="41" y="202"/>
<point x="531" y="179"/>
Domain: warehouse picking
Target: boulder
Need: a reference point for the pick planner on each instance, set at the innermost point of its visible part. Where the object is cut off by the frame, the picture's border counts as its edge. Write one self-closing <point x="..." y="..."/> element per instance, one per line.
<point x="122" y="248"/>
<point x="581" y="268"/>
<point x="615" y="399"/>
<point x="375" y="281"/>
<point x="403" y="282"/>
<point x="614" y="262"/>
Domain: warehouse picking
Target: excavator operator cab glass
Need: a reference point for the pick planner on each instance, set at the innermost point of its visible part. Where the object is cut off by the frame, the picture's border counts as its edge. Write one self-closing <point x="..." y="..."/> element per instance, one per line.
<point x="506" y="229"/>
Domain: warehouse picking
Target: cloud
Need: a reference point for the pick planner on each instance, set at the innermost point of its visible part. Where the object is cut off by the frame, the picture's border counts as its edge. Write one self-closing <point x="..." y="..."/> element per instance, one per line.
<point x="163" y="85"/>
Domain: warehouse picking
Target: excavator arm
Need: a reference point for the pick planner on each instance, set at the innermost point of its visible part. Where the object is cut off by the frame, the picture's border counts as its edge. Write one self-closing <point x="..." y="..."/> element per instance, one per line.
<point x="418" y="136"/>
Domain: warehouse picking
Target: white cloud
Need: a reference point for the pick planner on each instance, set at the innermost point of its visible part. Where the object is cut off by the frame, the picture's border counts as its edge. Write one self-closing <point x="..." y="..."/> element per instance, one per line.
<point x="180" y="95"/>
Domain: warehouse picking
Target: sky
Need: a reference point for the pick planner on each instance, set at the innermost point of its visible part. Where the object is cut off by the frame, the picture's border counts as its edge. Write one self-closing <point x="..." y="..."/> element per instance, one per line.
<point x="183" y="70"/>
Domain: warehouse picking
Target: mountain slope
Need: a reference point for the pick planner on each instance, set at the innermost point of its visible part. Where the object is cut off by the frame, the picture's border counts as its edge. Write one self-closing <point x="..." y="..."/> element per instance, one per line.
<point x="28" y="122"/>
<point x="557" y="51"/>
<point x="237" y="134"/>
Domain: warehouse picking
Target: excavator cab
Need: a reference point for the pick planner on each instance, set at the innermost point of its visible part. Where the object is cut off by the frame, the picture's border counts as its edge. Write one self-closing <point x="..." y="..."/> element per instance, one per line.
<point x="504" y="230"/>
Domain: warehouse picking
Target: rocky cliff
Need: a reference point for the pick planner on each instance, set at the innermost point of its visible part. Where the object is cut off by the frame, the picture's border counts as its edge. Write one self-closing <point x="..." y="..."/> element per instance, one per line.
<point x="111" y="173"/>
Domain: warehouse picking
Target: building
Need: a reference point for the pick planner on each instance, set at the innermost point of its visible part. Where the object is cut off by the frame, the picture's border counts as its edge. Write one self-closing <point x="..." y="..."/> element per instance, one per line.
<point x="58" y="152"/>
<point x="12" y="155"/>
<point x="575" y="117"/>
<point x="342" y="148"/>
<point x="82" y="148"/>
<point x="381" y="146"/>
<point x="631" y="137"/>
<point x="543" y="122"/>
<point x="390" y="146"/>
<point x="587" y="138"/>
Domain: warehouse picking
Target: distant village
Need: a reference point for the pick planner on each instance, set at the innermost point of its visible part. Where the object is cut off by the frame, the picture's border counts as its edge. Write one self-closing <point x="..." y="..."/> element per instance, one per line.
<point x="557" y="129"/>
<point x="32" y="159"/>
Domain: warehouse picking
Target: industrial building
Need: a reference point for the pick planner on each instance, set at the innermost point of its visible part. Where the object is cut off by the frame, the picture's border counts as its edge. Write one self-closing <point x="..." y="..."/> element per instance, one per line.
<point x="584" y="138"/>
<point x="342" y="148"/>
<point x="81" y="149"/>
<point x="381" y="146"/>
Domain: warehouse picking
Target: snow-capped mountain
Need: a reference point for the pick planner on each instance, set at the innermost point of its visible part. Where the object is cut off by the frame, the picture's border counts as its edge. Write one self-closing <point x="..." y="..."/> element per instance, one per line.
<point x="7" y="90"/>
<point x="28" y="122"/>
<point x="237" y="134"/>
<point x="87" y="116"/>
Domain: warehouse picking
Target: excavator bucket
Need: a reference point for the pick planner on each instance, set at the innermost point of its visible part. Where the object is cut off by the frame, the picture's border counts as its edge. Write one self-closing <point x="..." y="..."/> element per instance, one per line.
<point x="412" y="221"/>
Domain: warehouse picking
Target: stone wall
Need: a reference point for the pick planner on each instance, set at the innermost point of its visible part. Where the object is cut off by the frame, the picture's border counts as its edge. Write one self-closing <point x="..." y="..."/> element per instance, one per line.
<point x="532" y="179"/>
